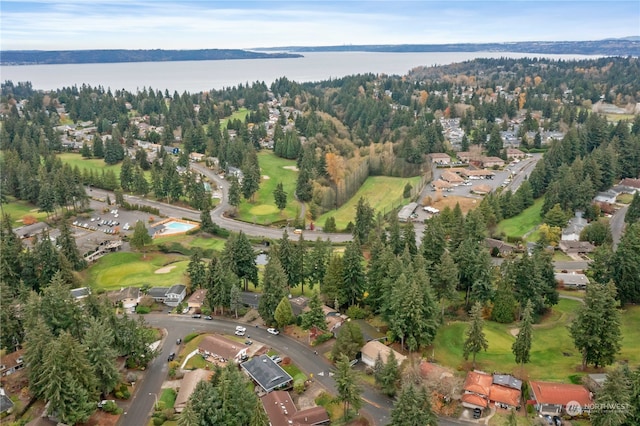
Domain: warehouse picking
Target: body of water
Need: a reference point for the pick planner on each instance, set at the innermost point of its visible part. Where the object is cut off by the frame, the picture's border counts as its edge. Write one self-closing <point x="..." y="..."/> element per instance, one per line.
<point x="196" y="76"/>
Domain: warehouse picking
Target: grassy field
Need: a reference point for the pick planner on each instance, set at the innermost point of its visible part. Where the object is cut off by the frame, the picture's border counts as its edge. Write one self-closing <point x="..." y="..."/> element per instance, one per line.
<point x="553" y="356"/>
<point x="95" y="164"/>
<point x="205" y="243"/>
<point x="240" y="114"/>
<point x="263" y="209"/>
<point x="382" y="192"/>
<point x="17" y="209"/>
<point x="624" y="198"/>
<point x="125" y="269"/>
<point x="519" y="225"/>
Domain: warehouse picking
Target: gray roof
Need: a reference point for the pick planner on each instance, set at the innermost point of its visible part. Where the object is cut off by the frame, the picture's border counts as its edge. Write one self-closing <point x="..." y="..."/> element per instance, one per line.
<point x="266" y="373"/>
<point x="5" y="402"/>
<point x="507" y="380"/>
<point x="572" y="278"/>
<point x="158" y="291"/>
<point x="78" y="293"/>
<point x="177" y="289"/>
<point x="598" y="378"/>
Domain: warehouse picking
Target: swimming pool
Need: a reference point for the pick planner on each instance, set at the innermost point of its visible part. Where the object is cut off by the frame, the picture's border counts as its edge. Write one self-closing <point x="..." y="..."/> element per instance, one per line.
<point x="173" y="226"/>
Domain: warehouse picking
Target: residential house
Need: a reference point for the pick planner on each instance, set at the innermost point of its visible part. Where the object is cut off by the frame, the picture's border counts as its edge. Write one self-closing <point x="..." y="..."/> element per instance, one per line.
<point x="490" y="162"/>
<point x="629" y="185"/>
<point x="404" y="215"/>
<point x="221" y="348"/>
<point x="11" y="363"/>
<point x="282" y="411"/>
<point x="266" y="373"/>
<point x="441" y="185"/>
<point x="464" y="156"/>
<point x="188" y="385"/>
<point x="576" y="247"/>
<point x="515" y="154"/>
<point x="372" y="349"/>
<point x="573" y="229"/>
<point x="609" y="196"/>
<point x="197" y="299"/>
<point x="333" y="318"/>
<point x="440" y="158"/>
<point x="477" y="174"/>
<point x="572" y="280"/>
<point x="196" y="156"/>
<point x="299" y="304"/>
<point x="175" y="295"/>
<point x="159" y="294"/>
<point x="552" y="398"/>
<point x="503" y="248"/>
<point x="127" y="297"/>
<point x="6" y="404"/>
<point x="80" y="293"/>
<point x="481" y="390"/>
<point x="235" y="172"/>
<point x="32" y="230"/>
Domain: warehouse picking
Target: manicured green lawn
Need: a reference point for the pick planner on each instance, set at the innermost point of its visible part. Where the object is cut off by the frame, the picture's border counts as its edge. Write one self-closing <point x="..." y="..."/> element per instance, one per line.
<point x="553" y="356"/>
<point x="95" y="164"/>
<point x="17" y="209"/>
<point x="383" y="194"/>
<point x="204" y="243"/>
<point x="519" y="225"/>
<point x="125" y="269"/>
<point x="168" y="397"/>
<point x="262" y="210"/>
<point x="240" y="114"/>
<point x="624" y="198"/>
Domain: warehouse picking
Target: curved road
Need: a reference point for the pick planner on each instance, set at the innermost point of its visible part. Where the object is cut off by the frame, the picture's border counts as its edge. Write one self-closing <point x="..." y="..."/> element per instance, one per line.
<point x="138" y="410"/>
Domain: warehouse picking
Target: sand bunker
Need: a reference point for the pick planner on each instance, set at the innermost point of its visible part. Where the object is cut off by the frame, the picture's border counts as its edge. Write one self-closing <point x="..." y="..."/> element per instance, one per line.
<point x="514" y="332"/>
<point x="265" y="177"/>
<point x="165" y="270"/>
<point x="294" y="168"/>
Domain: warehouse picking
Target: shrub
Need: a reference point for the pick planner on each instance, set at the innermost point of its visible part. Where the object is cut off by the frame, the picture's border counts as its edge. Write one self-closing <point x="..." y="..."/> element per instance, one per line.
<point x="157" y="421"/>
<point x="323" y="338"/>
<point x="110" y="407"/>
<point x="142" y="309"/>
<point x="132" y="377"/>
<point x="298" y="387"/>
<point x="356" y="312"/>
<point x="330" y="224"/>
<point x="189" y="337"/>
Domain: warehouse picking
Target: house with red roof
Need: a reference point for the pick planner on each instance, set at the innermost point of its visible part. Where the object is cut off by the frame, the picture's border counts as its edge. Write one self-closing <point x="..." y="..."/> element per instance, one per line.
<point x="481" y="390"/>
<point x="552" y="398"/>
<point x="282" y="411"/>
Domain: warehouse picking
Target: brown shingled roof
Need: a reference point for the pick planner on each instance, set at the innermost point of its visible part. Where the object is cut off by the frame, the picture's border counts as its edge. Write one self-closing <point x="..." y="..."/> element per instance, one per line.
<point x="559" y="393"/>
<point x="479" y="383"/>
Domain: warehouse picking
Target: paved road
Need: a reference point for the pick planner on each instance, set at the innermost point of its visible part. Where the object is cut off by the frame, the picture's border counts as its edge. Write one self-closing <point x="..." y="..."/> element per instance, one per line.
<point x="376" y="406"/>
<point x="617" y="224"/>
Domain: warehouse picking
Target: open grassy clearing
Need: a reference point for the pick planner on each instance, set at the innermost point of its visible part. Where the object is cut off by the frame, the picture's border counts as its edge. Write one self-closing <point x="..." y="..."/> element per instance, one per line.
<point x="466" y="203"/>
<point x="624" y="198"/>
<point x="519" y="225"/>
<point x="263" y="209"/>
<point x="18" y="209"/>
<point x="126" y="269"/>
<point x="383" y="193"/>
<point x="240" y="114"/>
<point x="205" y="243"/>
<point x="95" y="164"/>
<point x="553" y="356"/>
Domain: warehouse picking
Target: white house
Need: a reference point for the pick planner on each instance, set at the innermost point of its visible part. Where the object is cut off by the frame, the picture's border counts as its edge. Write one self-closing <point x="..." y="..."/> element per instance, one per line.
<point x="175" y="295"/>
<point x="371" y="350"/>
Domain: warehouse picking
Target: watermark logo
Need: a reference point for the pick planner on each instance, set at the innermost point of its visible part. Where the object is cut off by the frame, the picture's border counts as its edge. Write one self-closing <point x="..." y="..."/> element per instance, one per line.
<point x="573" y="408"/>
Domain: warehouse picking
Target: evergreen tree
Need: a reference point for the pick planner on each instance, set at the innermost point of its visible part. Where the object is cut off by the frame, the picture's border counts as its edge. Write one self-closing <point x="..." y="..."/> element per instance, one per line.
<point x="521" y="348"/>
<point x="616" y="393"/>
<point x="234" y="193"/>
<point x="476" y="340"/>
<point x="219" y="280"/>
<point x="446" y="279"/>
<point x="98" y="342"/>
<point x="332" y="283"/>
<point x="348" y="342"/>
<point x="283" y="314"/>
<point x="280" y="197"/>
<point x="140" y="237"/>
<point x="315" y="263"/>
<point x="98" y="147"/>
<point x="504" y="302"/>
<point x="596" y="328"/>
<point x="38" y="340"/>
<point x="347" y="387"/>
<point x="196" y="270"/>
<point x="633" y="212"/>
<point x="364" y="220"/>
<point x="625" y="268"/>
<point x="314" y="317"/>
<point x="389" y="376"/>
<point x="241" y="259"/>
<point x="556" y="217"/>
<point x="206" y="224"/>
<point x="274" y="289"/>
<point x="234" y="299"/>
<point x="413" y="408"/>
<point x="353" y="276"/>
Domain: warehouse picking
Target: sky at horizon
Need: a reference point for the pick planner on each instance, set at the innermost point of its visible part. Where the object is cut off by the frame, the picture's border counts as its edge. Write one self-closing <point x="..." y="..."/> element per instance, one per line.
<point x="170" y="24"/>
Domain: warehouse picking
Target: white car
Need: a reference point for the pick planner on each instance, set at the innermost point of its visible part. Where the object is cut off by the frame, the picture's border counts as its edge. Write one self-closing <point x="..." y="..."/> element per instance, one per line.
<point x="241" y="328"/>
<point x="239" y="333"/>
<point x="273" y="331"/>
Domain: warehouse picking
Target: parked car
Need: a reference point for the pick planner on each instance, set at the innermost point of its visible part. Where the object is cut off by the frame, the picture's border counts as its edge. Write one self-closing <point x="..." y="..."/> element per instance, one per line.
<point x="477" y="413"/>
<point x="208" y="317"/>
<point x="276" y="359"/>
<point x="273" y="331"/>
<point x="178" y="341"/>
<point x="241" y="328"/>
<point x="248" y="342"/>
<point x="239" y="333"/>
<point x="196" y="316"/>
<point x="172" y="356"/>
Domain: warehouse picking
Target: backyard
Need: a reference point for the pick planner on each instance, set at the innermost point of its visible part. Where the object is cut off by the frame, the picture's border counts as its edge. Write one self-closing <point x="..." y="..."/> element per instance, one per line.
<point x="553" y="355"/>
<point x="528" y="220"/>
<point x="383" y="194"/>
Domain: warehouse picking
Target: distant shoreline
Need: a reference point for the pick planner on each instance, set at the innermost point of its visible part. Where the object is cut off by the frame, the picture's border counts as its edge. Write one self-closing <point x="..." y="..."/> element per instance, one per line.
<point x="60" y="57"/>
<point x="609" y="47"/>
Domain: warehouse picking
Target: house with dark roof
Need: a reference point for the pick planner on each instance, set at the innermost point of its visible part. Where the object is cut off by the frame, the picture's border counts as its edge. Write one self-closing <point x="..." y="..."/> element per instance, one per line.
<point x="282" y="411"/>
<point x="80" y="293"/>
<point x="552" y="398"/>
<point x="266" y="373"/>
<point x="573" y="229"/>
<point x="502" y="247"/>
<point x="576" y="247"/>
<point x="197" y="299"/>
<point x="127" y="297"/>
<point x="572" y="280"/>
<point x="6" y="404"/>
<point x="159" y="294"/>
<point x="11" y="363"/>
